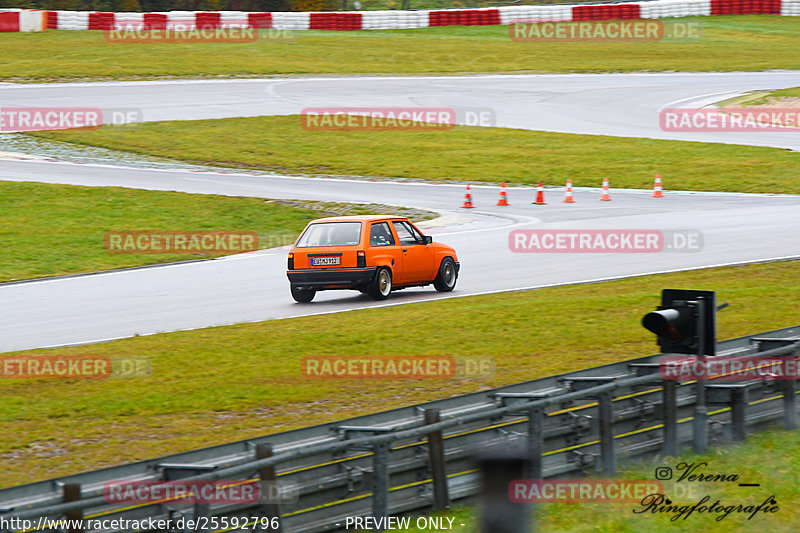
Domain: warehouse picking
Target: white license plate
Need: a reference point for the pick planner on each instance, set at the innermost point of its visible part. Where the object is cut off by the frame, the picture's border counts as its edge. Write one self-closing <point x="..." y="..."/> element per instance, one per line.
<point x="322" y="261"/>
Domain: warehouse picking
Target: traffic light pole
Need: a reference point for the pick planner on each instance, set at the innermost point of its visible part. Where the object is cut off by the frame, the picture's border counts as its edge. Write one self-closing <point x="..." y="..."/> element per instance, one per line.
<point x="685" y="323"/>
<point x="700" y="417"/>
<point x="700" y="420"/>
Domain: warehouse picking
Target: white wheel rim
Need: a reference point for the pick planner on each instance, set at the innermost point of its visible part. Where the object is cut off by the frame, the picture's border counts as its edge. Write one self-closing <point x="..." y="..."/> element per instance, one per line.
<point x="449" y="274"/>
<point x="384" y="283"/>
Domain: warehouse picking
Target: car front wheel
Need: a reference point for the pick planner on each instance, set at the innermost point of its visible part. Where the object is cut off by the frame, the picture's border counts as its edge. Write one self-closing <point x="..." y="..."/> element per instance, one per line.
<point x="381" y="286"/>
<point x="303" y="296"/>
<point x="446" y="278"/>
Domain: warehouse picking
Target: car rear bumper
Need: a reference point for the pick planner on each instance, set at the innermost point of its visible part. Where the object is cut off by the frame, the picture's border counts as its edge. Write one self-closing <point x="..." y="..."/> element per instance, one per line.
<point x="316" y="278"/>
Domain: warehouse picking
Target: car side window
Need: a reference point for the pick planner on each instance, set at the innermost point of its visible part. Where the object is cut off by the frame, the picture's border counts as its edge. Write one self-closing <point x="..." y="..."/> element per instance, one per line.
<point x="417" y="235"/>
<point x="406" y="233"/>
<point x="381" y="235"/>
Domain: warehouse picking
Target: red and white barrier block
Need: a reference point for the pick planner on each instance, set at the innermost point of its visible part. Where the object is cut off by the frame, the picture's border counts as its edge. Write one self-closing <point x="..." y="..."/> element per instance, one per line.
<point x="16" y="20"/>
<point x="393" y="20"/>
<point x="790" y="8"/>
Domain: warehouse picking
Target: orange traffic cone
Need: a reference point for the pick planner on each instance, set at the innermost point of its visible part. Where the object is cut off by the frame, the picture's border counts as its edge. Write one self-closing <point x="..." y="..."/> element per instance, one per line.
<point x="658" y="191"/>
<point x="539" y="195"/>
<point x="468" y="200"/>
<point x="568" y="199"/>
<point x="605" y="196"/>
<point x="503" y="198"/>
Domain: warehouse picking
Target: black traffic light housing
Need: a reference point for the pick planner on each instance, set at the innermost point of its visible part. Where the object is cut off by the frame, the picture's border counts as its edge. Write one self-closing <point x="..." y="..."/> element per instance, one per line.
<point x="685" y="322"/>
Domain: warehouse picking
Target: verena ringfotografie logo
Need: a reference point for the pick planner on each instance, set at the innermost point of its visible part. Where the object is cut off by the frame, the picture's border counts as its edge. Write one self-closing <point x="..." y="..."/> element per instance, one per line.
<point x="742" y="368"/>
<point x="730" y="119"/>
<point x="180" y="242"/>
<point x="18" y="119"/>
<point x="604" y="241"/>
<point x="639" y="30"/>
<point x="693" y="479"/>
<point x="396" y="367"/>
<point x="73" y="367"/>
<point x="582" y="490"/>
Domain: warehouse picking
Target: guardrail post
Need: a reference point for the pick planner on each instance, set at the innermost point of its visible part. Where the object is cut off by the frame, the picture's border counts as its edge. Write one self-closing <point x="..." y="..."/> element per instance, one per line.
<point x="441" y="497"/>
<point x="738" y="407"/>
<point x="268" y="508"/>
<point x="380" y="481"/>
<point x="535" y="442"/>
<point x="670" y="410"/>
<point x="700" y="421"/>
<point x="607" y="456"/>
<point x="71" y="492"/>
<point x="789" y="390"/>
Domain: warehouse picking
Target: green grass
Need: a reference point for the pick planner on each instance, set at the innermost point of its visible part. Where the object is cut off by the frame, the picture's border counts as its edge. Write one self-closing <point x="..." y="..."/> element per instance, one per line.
<point x="280" y="144"/>
<point x="775" y="97"/>
<point x="221" y="384"/>
<point x="757" y="98"/>
<point x="792" y="92"/>
<point x="730" y="43"/>
<point x="771" y="458"/>
<point x="50" y="230"/>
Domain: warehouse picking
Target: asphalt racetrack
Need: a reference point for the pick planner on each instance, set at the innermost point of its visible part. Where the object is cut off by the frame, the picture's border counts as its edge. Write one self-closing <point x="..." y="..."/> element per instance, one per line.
<point x="735" y="228"/>
<point x="604" y="104"/>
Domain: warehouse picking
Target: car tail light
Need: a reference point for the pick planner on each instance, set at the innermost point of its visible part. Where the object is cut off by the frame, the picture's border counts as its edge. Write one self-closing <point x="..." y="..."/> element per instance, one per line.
<point x="290" y="262"/>
<point x="361" y="259"/>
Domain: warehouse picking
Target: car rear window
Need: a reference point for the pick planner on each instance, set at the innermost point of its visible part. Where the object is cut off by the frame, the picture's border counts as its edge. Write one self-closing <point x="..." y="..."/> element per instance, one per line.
<point x="331" y="234"/>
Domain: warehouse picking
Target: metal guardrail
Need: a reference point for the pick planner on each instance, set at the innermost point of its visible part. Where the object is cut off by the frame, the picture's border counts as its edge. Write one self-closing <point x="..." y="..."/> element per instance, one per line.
<point x="422" y="457"/>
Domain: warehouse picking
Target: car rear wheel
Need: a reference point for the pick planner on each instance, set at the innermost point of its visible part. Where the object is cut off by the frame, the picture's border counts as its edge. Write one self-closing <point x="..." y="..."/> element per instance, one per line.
<point x="303" y="296"/>
<point x="381" y="286"/>
<point x="446" y="278"/>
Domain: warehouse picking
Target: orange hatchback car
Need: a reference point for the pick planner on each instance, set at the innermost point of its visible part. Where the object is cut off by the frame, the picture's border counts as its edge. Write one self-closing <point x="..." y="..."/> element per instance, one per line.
<point x="372" y="254"/>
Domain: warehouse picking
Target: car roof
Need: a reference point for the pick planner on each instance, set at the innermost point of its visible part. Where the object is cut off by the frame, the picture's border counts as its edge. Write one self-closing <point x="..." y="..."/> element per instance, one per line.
<point x="359" y="218"/>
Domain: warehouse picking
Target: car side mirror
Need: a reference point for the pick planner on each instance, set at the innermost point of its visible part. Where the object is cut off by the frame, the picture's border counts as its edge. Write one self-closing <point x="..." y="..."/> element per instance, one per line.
<point x="427" y="238"/>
